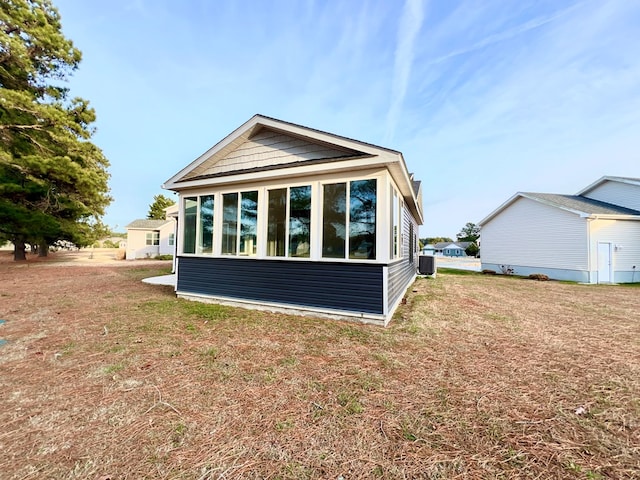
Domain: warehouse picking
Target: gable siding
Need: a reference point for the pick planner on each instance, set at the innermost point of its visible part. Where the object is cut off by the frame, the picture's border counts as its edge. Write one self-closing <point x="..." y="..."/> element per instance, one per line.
<point x="402" y="272"/>
<point x="353" y="287"/>
<point x="528" y="233"/>
<point x="621" y="194"/>
<point x="268" y="148"/>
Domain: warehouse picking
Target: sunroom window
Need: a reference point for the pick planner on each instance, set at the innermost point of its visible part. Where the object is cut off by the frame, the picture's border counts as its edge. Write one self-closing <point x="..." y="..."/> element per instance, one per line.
<point x="205" y="236"/>
<point x="240" y="221"/>
<point x="354" y="233"/>
<point x="334" y="220"/>
<point x="198" y="225"/>
<point x="190" y="221"/>
<point x="289" y="222"/>
<point x="362" y="220"/>
<point x="396" y="222"/>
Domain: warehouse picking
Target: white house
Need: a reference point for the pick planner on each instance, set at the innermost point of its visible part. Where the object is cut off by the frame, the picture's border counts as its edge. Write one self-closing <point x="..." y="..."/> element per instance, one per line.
<point x="285" y="217"/>
<point x="590" y="237"/>
<point x="150" y="238"/>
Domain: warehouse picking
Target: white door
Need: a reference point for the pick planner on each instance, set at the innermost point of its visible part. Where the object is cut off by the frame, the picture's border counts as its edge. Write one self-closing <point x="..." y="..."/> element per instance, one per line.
<point x="604" y="263"/>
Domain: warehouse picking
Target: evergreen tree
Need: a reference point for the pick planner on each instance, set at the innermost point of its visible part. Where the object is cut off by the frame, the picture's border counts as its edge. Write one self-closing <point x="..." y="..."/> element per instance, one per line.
<point x="53" y="180"/>
<point x="156" y="209"/>
<point x="469" y="233"/>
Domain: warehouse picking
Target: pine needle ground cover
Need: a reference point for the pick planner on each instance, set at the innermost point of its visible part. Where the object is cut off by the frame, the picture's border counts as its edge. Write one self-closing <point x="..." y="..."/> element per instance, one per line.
<point x="105" y="377"/>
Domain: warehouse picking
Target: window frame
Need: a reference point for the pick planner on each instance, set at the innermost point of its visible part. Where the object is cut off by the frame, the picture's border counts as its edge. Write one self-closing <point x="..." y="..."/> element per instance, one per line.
<point x="347" y="218"/>
<point x="287" y="221"/>
<point x="384" y="186"/>
<point x="152" y="239"/>
<point x="239" y="224"/>
<point x="198" y="233"/>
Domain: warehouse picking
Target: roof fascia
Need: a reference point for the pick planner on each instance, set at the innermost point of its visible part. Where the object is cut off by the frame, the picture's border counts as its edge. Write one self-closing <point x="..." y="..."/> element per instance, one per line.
<point x="258" y="121"/>
<point x="391" y="158"/>
<point x="535" y="199"/>
<point x="248" y="125"/>
<point x="503" y="206"/>
<point x="601" y="216"/>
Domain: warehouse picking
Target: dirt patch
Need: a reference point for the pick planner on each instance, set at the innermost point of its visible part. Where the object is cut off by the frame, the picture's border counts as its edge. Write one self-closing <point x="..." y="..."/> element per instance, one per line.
<point x="79" y="257"/>
<point x="103" y="376"/>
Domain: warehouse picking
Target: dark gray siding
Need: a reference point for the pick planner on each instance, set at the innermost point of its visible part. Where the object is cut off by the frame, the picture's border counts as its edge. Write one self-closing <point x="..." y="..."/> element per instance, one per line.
<point x="402" y="272"/>
<point x="354" y="287"/>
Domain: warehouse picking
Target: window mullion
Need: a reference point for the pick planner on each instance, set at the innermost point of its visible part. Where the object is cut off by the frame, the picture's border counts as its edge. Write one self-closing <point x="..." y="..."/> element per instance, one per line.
<point x="287" y="220"/>
<point x="238" y="223"/>
<point x="198" y="232"/>
<point x="347" y="221"/>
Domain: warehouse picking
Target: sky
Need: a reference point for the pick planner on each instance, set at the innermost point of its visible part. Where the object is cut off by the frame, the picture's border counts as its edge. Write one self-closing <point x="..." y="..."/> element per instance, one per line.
<point x="483" y="98"/>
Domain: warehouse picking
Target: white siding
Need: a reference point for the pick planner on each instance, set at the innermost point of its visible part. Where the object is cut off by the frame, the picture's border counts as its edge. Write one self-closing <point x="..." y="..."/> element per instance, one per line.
<point x="165" y="231"/>
<point x="624" y="235"/>
<point x="528" y="233"/>
<point x="268" y="148"/>
<point x="137" y="245"/>
<point x="622" y="194"/>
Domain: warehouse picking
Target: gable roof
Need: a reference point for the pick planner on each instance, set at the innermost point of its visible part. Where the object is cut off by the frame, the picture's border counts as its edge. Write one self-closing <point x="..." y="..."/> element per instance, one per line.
<point x="600" y="181"/>
<point x="275" y="148"/>
<point x="460" y="245"/>
<point x="577" y="204"/>
<point x="145" y="224"/>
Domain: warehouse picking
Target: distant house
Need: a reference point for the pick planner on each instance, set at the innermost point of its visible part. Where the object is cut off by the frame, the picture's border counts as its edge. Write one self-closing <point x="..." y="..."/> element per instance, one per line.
<point x="590" y="237"/>
<point x="451" y="249"/>
<point x="118" y="241"/>
<point x="285" y="217"/>
<point x="428" y="249"/>
<point x="150" y="238"/>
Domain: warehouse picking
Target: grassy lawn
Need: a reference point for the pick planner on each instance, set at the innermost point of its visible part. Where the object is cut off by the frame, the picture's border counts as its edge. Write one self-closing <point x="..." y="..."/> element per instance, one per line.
<point x="103" y="376"/>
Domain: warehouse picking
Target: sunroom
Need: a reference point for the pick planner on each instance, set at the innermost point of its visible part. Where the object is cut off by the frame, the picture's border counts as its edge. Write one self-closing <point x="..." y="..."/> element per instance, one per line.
<point x="283" y="217"/>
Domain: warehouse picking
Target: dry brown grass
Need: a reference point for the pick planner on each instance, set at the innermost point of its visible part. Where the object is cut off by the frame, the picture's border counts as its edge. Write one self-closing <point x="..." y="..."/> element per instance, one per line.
<point x="477" y="377"/>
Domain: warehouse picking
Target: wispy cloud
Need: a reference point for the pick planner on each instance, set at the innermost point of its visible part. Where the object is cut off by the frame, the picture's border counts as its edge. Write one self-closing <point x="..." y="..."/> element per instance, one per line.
<point x="408" y="30"/>
<point x="531" y="100"/>
<point x="503" y="35"/>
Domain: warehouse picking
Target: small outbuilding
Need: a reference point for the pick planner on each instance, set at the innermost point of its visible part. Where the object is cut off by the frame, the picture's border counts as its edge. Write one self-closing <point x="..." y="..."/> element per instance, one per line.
<point x="284" y="217"/>
<point x="590" y="237"/>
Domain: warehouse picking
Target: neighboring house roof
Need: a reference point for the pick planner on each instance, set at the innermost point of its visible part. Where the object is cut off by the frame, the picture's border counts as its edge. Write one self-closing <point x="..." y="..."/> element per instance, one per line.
<point x="442" y="245"/>
<point x="577" y="204"/>
<point x="145" y="224"/>
<point x="286" y="149"/>
<point x="600" y="181"/>
<point x="581" y="204"/>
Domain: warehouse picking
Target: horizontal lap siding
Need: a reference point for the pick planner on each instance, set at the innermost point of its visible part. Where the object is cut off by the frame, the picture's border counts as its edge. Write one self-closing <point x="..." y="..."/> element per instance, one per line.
<point x="625" y="235"/>
<point x="403" y="272"/>
<point x="533" y="234"/>
<point x="622" y="194"/>
<point x="337" y="286"/>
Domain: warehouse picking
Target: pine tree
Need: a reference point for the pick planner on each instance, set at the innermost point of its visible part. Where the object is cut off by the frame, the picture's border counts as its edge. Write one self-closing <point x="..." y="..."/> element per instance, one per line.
<point x="156" y="209"/>
<point x="53" y="180"/>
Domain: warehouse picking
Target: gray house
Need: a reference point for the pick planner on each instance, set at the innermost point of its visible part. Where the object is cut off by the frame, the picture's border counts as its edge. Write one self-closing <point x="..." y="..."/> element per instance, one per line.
<point x="285" y="217"/>
<point x="590" y="237"/>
